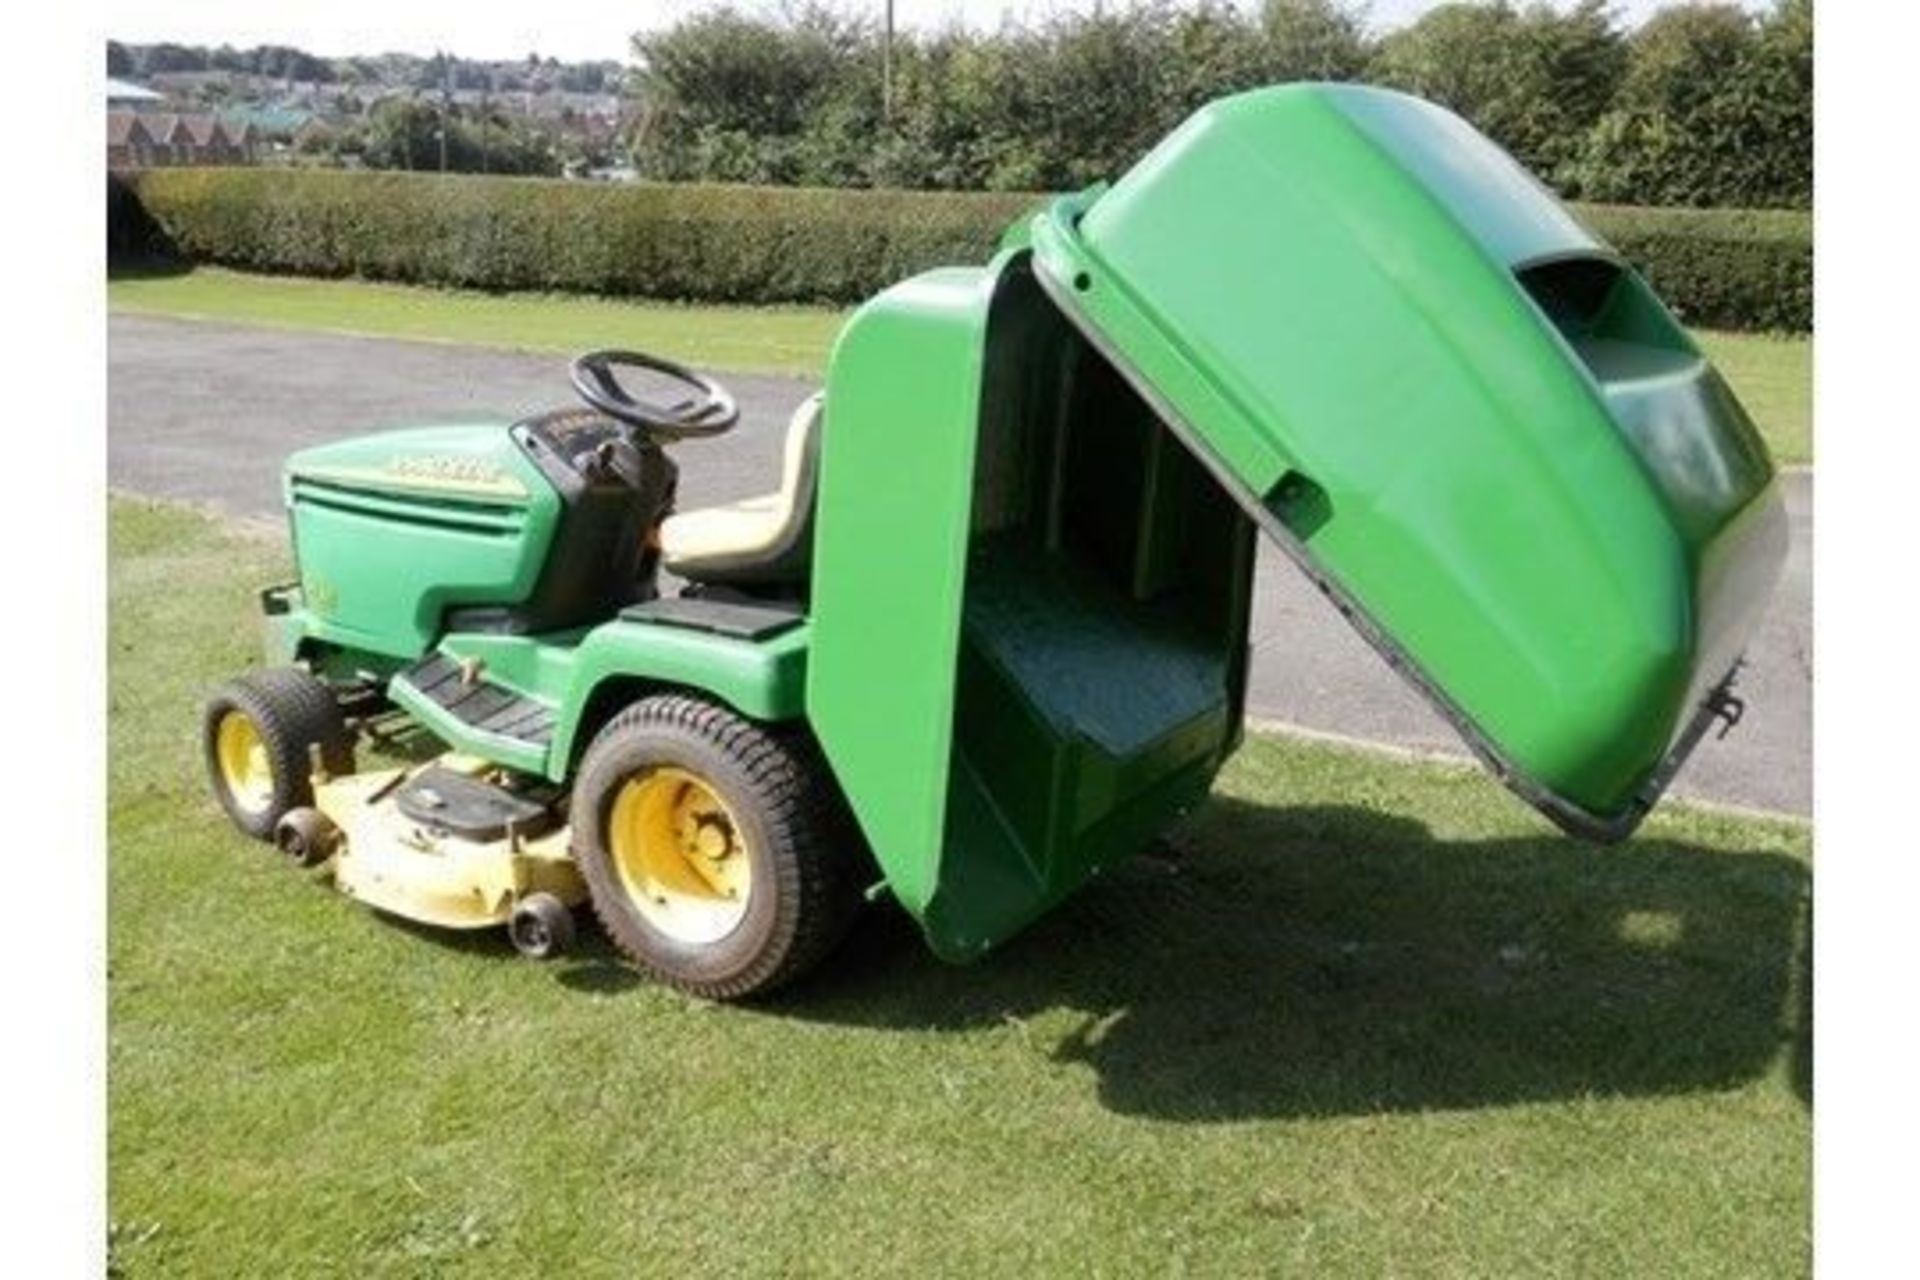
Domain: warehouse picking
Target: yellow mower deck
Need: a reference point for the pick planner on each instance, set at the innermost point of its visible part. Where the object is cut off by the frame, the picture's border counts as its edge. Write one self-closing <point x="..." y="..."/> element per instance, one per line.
<point x="389" y="861"/>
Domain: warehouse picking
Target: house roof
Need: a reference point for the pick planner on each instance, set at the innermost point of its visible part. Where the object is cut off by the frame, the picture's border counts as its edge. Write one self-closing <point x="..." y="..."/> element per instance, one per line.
<point x="126" y="129"/>
<point x="276" y="120"/>
<point x="187" y="129"/>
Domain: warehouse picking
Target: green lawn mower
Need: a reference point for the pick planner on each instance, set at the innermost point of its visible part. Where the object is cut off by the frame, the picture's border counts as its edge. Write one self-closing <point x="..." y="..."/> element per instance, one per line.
<point x="990" y="634"/>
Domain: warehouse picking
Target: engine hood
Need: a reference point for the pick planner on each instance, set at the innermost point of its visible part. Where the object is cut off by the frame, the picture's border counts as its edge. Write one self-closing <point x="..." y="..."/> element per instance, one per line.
<point x="476" y="461"/>
<point x="392" y="530"/>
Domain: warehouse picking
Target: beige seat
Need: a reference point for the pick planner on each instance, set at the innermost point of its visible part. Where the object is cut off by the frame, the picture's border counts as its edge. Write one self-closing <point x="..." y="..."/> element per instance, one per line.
<point x="766" y="539"/>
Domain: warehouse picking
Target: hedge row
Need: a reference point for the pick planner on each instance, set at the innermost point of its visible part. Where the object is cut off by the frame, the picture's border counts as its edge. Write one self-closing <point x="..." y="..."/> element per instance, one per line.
<point x="706" y="243"/>
<point x="1719" y="268"/>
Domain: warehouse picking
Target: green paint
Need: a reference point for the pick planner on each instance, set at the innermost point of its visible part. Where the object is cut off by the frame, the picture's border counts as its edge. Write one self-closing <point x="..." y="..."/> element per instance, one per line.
<point x="570" y="673"/>
<point x="525" y="756"/>
<point x="390" y="528"/>
<point x="896" y="484"/>
<point x="1029" y="605"/>
<point x="585" y="676"/>
<point x="1567" y="525"/>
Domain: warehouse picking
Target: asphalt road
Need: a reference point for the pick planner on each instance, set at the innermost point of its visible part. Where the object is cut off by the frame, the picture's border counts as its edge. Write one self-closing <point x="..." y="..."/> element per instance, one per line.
<point x="206" y="412"/>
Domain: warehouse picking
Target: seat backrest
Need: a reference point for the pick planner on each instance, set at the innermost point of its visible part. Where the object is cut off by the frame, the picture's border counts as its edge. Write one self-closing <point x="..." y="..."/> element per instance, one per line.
<point x="779" y="541"/>
<point x="788" y="553"/>
<point x="800" y="464"/>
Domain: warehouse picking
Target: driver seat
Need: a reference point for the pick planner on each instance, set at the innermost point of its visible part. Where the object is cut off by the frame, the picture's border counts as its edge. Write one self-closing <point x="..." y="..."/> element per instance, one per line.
<point x="761" y="541"/>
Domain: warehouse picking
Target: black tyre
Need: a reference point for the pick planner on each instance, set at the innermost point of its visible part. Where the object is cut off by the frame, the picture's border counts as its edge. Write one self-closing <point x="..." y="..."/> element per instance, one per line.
<point x="258" y="734"/>
<point x="307" y="836"/>
<point x="711" y="849"/>
<point x="541" y="927"/>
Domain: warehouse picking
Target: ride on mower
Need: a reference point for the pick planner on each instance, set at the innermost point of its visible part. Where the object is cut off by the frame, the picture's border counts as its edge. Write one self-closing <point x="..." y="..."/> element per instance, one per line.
<point x="990" y="635"/>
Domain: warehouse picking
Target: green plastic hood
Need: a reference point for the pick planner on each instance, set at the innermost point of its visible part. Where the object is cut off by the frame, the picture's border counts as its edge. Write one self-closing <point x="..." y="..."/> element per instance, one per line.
<point x="1457" y="409"/>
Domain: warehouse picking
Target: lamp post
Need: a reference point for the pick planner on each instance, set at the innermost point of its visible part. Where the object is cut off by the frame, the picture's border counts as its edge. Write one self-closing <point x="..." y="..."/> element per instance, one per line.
<point x="886" y="69"/>
<point x="446" y="104"/>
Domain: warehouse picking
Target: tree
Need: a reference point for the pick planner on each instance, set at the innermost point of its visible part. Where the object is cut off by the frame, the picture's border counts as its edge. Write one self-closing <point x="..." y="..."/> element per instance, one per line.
<point x="1715" y="108"/>
<point x="1578" y="59"/>
<point x="280" y="62"/>
<point x="1780" y="74"/>
<point x="1534" y="81"/>
<point x="1097" y="84"/>
<point x="1313" y="40"/>
<point x="119" y="61"/>
<point x="728" y="94"/>
<point x="1212" y="50"/>
<point x="160" y="59"/>
<point x="588" y="77"/>
<point x="945" y="103"/>
<point x="1702" y="104"/>
<point x="402" y="133"/>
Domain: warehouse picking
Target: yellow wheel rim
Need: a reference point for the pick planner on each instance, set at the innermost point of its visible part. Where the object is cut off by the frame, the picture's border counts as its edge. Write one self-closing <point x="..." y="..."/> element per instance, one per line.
<point x="241" y="754"/>
<point x="680" y="855"/>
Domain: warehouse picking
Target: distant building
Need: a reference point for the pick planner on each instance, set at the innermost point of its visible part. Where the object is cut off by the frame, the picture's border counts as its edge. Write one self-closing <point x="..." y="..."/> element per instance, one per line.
<point x="128" y="143"/>
<point x="125" y="94"/>
<point x="152" y="139"/>
<point x="275" y="122"/>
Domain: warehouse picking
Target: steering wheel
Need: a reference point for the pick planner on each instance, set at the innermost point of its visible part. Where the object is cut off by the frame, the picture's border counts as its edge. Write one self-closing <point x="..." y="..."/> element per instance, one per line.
<point x="706" y="410"/>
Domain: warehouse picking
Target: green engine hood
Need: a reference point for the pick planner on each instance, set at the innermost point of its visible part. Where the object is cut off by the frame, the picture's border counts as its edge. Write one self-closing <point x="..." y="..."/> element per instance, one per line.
<point x="1457" y="409"/>
<point x="463" y="462"/>
<point x="393" y="528"/>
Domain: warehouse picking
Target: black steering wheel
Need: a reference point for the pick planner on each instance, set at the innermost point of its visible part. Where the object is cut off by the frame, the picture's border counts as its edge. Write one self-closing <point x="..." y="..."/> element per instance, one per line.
<point x="705" y="409"/>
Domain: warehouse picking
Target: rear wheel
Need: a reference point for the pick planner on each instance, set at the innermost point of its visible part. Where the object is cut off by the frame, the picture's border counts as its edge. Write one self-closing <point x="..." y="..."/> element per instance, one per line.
<point x="708" y="846"/>
<point x="259" y="734"/>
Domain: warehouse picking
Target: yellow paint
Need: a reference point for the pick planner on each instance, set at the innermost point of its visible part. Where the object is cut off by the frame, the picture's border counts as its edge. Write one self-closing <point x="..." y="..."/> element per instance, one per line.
<point x="680" y="855"/>
<point x="390" y="862"/>
<point x="245" y="770"/>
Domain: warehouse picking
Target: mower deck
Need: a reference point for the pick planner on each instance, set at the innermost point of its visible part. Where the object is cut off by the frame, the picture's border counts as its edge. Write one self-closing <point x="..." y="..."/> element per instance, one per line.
<point x="426" y="870"/>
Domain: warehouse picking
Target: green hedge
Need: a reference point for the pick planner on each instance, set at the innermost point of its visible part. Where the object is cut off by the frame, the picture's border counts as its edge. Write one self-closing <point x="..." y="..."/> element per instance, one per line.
<point x="1720" y="269"/>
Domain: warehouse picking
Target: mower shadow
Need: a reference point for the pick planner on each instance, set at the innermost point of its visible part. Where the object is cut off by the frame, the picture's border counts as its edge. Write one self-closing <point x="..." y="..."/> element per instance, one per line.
<point x="1338" y="961"/>
<point x="592" y="965"/>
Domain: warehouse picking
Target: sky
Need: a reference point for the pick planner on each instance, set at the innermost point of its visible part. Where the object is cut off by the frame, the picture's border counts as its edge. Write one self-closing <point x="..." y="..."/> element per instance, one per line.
<point x="573" y="30"/>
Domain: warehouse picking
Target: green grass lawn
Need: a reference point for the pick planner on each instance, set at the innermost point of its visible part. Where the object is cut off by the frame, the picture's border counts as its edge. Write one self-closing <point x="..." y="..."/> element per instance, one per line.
<point x="759" y="339"/>
<point x="1373" y="1018"/>
<point x="1773" y="376"/>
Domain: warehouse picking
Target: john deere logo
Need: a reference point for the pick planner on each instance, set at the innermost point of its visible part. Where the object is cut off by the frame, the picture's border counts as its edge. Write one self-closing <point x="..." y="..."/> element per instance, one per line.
<point x="436" y="466"/>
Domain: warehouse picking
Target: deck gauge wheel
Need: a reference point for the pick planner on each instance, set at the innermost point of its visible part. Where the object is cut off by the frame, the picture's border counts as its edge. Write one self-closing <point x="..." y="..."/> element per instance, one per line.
<point x="307" y="836"/>
<point x="541" y="927"/>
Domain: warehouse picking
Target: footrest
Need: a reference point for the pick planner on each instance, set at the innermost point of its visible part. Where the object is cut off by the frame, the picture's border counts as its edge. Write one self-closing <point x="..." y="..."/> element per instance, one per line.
<point x="735" y="619"/>
<point x="478" y="704"/>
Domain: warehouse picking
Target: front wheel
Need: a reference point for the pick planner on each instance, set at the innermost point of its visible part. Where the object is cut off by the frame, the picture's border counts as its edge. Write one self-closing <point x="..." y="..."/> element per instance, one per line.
<point x="708" y="846"/>
<point x="259" y="735"/>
